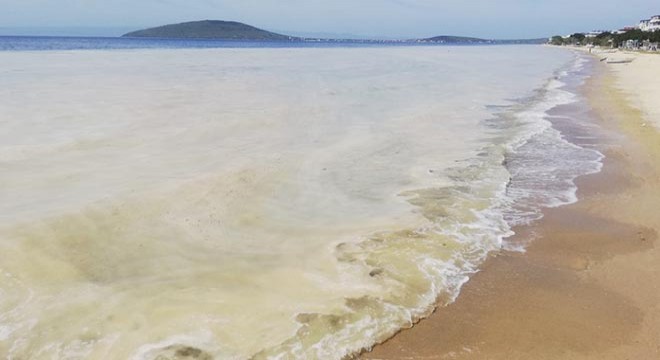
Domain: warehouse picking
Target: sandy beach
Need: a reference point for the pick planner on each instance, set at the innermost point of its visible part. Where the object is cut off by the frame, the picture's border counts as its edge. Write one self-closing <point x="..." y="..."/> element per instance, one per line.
<point x="587" y="287"/>
<point x="196" y="213"/>
<point x="636" y="81"/>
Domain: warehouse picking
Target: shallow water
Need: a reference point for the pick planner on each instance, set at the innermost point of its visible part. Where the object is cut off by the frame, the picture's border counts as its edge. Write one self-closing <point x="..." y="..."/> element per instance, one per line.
<point x="259" y="203"/>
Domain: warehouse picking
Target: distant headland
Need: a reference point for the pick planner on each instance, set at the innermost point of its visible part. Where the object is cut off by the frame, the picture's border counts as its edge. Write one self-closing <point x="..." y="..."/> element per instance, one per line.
<point x="232" y="30"/>
<point x="472" y="40"/>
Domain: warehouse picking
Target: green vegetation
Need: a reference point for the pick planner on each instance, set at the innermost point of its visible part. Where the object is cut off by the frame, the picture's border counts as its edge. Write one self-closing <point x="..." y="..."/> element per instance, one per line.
<point x="607" y="39"/>
<point x="575" y="39"/>
<point x="637" y="35"/>
<point x="557" y="40"/>
<point x="209" y="29"/>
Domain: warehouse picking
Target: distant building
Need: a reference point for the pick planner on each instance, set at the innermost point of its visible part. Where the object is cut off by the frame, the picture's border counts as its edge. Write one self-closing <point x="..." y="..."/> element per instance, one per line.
<point x="631" y="44"/>
<point x="652" y="24"/>
<point x="649" y="46"/>
<point x="593" y="34"/>
<point x="625" y="29"/>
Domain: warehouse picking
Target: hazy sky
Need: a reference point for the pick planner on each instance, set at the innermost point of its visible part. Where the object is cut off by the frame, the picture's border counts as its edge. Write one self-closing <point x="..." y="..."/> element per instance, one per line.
<point x="379" y="18"/>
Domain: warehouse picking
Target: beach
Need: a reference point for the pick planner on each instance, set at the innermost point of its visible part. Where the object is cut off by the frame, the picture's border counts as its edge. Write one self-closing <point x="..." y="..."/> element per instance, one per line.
<point x="587" y="286"/>
<point x="312" y="202"/>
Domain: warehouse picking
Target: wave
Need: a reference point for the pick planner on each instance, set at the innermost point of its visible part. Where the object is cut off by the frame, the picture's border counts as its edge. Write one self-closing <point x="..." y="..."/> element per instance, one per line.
<point x="530" y="166"/>
<point x="264" y="257"/>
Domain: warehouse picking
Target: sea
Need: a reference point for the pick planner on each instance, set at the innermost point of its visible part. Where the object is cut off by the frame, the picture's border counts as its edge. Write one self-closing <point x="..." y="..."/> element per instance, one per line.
<point x="164" y="199"/>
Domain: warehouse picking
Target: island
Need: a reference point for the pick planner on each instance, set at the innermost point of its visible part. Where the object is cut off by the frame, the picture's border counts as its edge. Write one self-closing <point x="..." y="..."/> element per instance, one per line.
<point x="209" y="29"/>
<point x="233" y="30"/>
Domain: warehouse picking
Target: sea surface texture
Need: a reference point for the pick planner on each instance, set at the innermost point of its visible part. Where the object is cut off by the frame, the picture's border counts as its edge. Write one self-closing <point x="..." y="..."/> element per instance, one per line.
<point x="263" y="203"/>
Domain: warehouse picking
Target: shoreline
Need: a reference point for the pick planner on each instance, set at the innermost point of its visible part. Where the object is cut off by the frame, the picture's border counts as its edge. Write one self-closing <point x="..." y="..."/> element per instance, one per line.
<point x="252" y="209"/>
<point x="585" y="287"/>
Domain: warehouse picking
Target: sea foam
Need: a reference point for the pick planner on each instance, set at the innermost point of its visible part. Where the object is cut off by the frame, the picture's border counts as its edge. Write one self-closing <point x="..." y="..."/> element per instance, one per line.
<point x="264" y="203"/>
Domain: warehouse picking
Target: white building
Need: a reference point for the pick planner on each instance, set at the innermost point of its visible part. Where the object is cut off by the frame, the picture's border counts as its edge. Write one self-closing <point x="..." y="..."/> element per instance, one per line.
<point x="625" y="30"/>
<point x="652" y="24"/>
<point x="593" y="34"/>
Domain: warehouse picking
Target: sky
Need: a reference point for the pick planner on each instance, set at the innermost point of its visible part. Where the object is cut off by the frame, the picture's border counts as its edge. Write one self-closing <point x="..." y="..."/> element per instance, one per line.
<point x="357" y="18"/>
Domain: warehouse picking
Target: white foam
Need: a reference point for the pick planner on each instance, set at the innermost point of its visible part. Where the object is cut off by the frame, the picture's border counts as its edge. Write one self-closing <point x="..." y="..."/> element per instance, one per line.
<point x="479" y="237"/>
<point x="217" y="184"/>
<point x="546" y="165"/>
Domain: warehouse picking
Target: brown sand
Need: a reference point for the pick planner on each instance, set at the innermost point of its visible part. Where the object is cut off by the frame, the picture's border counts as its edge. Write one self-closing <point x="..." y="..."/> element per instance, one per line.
<point x="588" y="288"/>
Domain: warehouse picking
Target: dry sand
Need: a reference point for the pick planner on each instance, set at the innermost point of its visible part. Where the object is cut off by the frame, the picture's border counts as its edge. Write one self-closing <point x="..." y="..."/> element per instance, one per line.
<point x="589" y="287"/>
<point x="639" y="81"/>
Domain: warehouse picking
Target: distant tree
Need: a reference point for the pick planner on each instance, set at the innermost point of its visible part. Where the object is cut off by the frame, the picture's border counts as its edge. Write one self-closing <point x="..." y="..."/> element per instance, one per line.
<point x="603" y="39"/>
<point x="575" y="39"/>
<point x="557" y="40"/>
<point x="578" y="37"/>
<point x="607" y="39"/>
<point x="635" y="34"/>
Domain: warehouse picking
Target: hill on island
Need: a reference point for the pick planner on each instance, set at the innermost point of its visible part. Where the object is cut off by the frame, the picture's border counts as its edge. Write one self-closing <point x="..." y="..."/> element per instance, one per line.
<point x="209" y="29"/>
<point x="232" y="30"/>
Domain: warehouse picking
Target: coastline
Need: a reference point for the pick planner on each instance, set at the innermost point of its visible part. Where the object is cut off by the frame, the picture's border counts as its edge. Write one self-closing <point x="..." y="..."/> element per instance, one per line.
<point x="241" y="213"/>
<point x="133" y="287"/>
<point x="586" y="288"/>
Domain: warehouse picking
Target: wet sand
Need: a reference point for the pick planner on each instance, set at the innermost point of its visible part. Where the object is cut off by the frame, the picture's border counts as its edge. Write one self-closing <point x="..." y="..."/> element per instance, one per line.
<point x="588" y="287"/>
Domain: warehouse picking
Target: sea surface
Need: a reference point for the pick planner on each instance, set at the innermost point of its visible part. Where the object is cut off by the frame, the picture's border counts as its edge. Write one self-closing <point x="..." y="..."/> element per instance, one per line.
<point x="49" y="43"/>
<point x="264" y="202"/>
